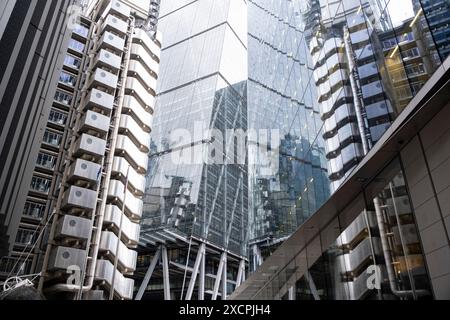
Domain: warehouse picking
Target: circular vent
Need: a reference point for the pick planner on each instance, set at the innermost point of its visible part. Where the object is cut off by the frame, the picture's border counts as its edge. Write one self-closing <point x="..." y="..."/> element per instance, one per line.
<point x="98" y="95"/>
<point x="78" y="194"/>
<point x="84" y="166"/>
<point x="89" y="141"/>
<point x="102" y="74"/>
<point x="66" y="255"/>
<point x="94" y="117"/>
<point x="72" y="223"/>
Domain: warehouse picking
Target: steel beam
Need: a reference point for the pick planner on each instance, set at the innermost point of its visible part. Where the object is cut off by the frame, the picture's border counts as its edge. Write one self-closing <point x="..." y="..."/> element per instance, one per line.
<point x="148" y="275"/>
<point x="198" y="259"/>
<point x="218" y="276"/>
<point x="166" y="279"/>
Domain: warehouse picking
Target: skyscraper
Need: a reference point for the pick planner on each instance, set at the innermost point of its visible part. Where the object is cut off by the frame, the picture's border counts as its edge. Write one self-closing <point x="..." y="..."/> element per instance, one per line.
<point x="90" y="173"/>
<point x="33" y="40"/>
<point x="225" y="68"/>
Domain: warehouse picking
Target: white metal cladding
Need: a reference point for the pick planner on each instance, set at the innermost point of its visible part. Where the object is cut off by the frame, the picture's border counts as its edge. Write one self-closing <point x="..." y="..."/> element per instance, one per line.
<point x="126" y="257"/>
<point x="122" y="286"/>
<point x="64" y="257"/>
<point x="133" y="106"/>
<point x="135" y="132"/>
<point x="115" y="24"/>
<point x="104" y="78"/>
<point x="135" y="88"/>
<point x="359" y="254"/>
<point x="139" y="52"/>
<point x="99" y="99"/>
<point x="135" y="179"/>
<point x="73" y="227"/>
<point x="138" y="158"/>
<point x="137" y="69"/>
<point x="95" y="121"/>
<point x="108" y="59"/>
<point x="111" y="41"/>
<point x="140" y="36"/>
<point x="80" y="198"/>
<point x="133" y="205"/>
<point x="130" y="230"/>
<point x="90" y="145"/>
<point x="118" y="8"/>
<point x="85" y="170"/>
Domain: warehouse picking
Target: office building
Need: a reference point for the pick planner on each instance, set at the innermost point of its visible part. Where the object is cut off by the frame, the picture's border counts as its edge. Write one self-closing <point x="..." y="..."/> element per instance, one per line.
<point x="383" y="234"/>
<point x="225" y="68"/>
<point x="84" y="202"/>
<point x="33" y="40"/>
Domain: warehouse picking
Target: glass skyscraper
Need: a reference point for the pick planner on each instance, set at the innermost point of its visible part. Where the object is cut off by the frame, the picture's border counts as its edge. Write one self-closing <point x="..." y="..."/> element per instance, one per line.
<point x="237" y="68"/>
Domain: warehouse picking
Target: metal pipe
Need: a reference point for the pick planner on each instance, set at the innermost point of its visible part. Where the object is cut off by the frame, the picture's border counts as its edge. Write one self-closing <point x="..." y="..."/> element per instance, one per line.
<point x="354" y="86"/>
<point x="387" y="257"/>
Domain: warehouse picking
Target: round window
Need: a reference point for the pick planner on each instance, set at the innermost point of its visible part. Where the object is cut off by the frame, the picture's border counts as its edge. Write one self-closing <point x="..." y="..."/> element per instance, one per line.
<point x="89" y="141"/>
<point x="110" y="37"/>
<point x="66" y="255"/>
<point x="107" y="55"/>
<point x="114" y="20"/>
<point x="72" y="223"/>
<point x="102" y="74"/>
<point x="84" y="166"/>
<point x="94" y="117"/>
<point x="98" y="95"/>
<point x="117" y="4"/>
<point x="78" y="194"/>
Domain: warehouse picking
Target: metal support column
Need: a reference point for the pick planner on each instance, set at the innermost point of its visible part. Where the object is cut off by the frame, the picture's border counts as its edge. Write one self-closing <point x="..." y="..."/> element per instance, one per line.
<point x="291" y="293"/>
<point x="312" y="286"/>
<point x="218" y="276"/>
<point x="200" y="255"/>
<point x="224" y="277"/>
<point x="166" y="279"/>
<point x="148" y="275"/>
<point x="241" y="273"/>
<point x="201" y="286"/>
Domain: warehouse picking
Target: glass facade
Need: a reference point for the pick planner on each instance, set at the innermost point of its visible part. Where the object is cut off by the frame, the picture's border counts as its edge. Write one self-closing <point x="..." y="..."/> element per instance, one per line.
<point x="370" y="58"/>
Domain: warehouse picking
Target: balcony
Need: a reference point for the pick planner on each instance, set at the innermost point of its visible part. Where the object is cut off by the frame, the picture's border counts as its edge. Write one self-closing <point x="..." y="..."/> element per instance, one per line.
<point x="127" y="149"/>
<point x="84" y="170"/>
<point x="99" y="99"/>
<point x="123" y="287"/>
<point x="135" y="179"/>
<point x="115" y="25"/>
<point x="126" y="257"/>
<point x="81" y="198"/>
<point x="104" y="79"/>
<point x="90" y="145"/>
<point x="93" y="121"/>
<point x="106" y="59"/>
<point x="112" y="42"/>
<point x="130" y="230"/>
<point x="141" y="115"/>
<point x="141" y="138"/>
<point x="62" y="258"/>
<point x="133" y="205"/>
<point x="73" y="227"/>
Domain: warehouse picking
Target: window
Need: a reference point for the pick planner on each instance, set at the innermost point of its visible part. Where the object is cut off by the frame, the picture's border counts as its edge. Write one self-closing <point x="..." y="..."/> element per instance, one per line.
<point x="45" y="160"/>
<point x="52" y="138"/>
<point x="63" y="97"/>
<point x="40" y="184"/>
<point x="67" y="78"/>
<point x="34" y="210"/>
<point x="81" y="30"/>
<point x="57" y="117"/>
<point x="76" y="45"/>
<point x="72" y="61"/>
<point x="25" y="237"/>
